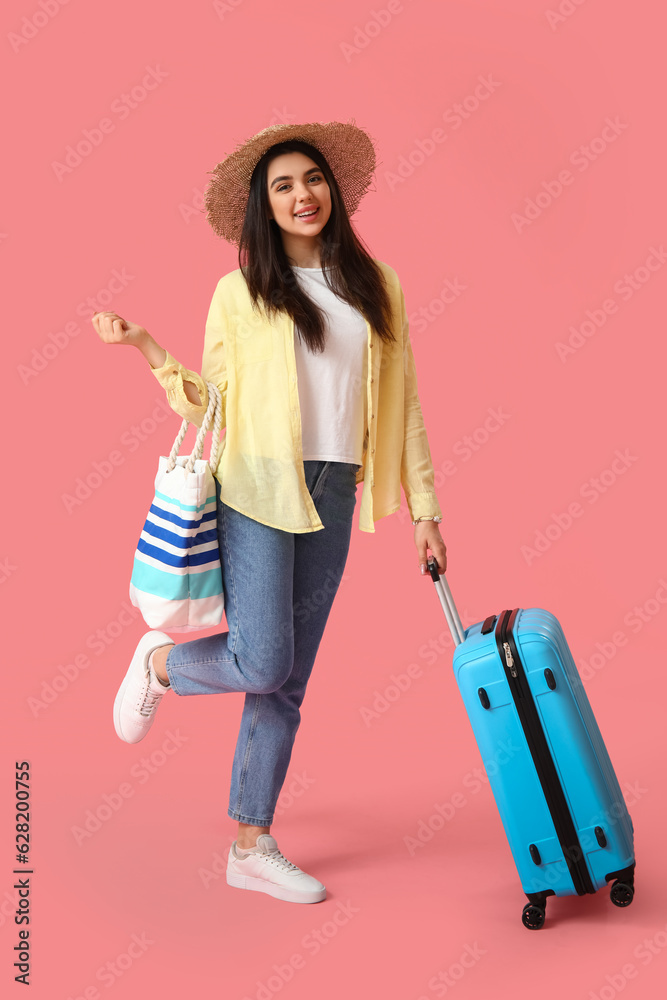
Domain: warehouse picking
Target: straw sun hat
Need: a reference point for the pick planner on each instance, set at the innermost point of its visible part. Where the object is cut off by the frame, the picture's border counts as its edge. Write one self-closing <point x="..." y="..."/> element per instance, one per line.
<point x="349" y="151"/>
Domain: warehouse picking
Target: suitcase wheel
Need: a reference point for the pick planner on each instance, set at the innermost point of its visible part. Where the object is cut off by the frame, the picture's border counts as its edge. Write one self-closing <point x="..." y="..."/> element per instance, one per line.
<point x="622" y="893"/>
<point x="533" y="916"/>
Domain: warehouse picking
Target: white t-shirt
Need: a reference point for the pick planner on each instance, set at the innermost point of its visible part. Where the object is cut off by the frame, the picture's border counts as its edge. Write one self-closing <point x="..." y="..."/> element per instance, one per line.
<point x="332" y="384"/>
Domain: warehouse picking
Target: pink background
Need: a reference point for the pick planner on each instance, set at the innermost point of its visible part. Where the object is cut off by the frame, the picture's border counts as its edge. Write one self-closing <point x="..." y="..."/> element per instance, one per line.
<point x="395" y="923"/>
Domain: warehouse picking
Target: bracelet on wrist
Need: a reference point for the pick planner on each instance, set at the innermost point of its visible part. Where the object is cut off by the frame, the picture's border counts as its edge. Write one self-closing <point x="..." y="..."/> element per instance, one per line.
<point x="436" y="518"/>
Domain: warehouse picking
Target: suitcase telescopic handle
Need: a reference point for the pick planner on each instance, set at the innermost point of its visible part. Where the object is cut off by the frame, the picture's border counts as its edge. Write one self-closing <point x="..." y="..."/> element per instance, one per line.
<point x="447" y="601"/>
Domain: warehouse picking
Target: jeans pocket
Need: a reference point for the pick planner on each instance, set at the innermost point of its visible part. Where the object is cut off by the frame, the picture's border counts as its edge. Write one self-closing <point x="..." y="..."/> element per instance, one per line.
<point x="318" y="485"/>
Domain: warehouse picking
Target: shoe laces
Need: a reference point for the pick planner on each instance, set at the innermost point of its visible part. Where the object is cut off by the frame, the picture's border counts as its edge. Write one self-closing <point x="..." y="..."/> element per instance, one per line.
<point x="278" y="859"/>
<point x="150" y="700"/>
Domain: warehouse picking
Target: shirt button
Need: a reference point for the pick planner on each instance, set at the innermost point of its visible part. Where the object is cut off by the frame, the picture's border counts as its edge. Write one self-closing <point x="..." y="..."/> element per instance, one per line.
<point x="372" y="416"/>
<point x="372" y="451"/>
<point x="293" y="378"/>
<point x="372" y="380"/>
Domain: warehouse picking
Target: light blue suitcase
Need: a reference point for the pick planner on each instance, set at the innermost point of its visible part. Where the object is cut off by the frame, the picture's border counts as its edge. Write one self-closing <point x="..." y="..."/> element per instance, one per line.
<point x="560" y="802"/>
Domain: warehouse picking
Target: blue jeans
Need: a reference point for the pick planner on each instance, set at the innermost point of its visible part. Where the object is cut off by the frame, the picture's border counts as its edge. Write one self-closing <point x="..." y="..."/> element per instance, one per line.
<point x="279" y="588"/>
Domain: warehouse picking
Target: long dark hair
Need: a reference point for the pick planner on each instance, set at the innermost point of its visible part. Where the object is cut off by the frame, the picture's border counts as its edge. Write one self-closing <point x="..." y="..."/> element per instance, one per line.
<point x="273" y="285"/>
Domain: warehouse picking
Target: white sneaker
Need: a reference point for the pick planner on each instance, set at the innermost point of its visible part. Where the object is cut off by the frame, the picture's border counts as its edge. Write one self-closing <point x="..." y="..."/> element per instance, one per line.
<point x="141" y="691"/>
<point x="265" y="869"/>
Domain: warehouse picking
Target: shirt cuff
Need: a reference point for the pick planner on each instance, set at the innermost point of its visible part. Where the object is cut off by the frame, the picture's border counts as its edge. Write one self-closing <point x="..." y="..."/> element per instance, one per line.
<point x="423" y="505"/>
<point x="170" y="367"/>
<point x="171" y="376"/>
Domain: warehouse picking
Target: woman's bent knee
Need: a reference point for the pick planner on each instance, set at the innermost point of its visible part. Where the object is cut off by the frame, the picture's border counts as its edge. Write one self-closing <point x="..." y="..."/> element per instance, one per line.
<point x="267" y="682"/>
<point x="268" y="673"/>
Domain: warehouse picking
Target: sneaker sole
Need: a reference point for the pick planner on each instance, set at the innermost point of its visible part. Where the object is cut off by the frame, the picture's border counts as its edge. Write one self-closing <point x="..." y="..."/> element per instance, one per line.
<point x="145" y="646"/>
<point x="279" y="891"/>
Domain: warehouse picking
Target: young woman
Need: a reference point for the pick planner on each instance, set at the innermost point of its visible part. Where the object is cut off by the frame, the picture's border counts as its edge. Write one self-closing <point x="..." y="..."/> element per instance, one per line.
<point x="308" y="343"/>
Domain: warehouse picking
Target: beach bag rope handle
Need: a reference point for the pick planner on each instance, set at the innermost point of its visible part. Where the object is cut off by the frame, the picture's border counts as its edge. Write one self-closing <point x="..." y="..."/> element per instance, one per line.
<point x="213" y="413"/>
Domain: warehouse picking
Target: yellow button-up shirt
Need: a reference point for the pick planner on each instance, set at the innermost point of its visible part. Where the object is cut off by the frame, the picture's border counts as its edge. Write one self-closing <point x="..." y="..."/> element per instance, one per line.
<point x="251" y="360"/>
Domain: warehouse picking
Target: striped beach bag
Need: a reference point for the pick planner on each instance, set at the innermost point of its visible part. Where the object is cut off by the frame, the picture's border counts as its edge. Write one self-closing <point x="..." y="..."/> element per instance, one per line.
<point x="176" y="577"/>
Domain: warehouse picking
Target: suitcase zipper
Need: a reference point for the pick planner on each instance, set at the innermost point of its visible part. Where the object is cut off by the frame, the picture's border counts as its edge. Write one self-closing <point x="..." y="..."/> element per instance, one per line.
<point x="509" y="660"/>
<point x="541" y="754"/>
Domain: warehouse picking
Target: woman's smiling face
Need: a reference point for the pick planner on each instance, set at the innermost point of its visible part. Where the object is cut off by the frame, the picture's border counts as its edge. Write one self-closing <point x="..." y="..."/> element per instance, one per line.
<point x="296" y="185"/>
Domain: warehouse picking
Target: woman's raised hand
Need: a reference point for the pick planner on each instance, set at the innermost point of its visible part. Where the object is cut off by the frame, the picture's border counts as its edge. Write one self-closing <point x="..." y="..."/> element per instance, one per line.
<point x="113" y="329"/>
